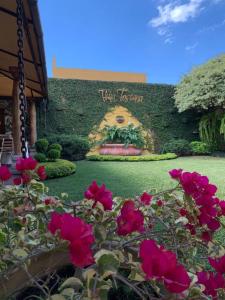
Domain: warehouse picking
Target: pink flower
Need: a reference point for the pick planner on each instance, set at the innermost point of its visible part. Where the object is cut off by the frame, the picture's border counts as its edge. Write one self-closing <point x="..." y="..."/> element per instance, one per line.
<point x="78" y="233"/>
<point x="176" y="173"/>
<point x="161" y="264"/>
<point x="81" y="254"/>
<point x="183" y="212"/>
<point x="26" y="178"/>
<point x="26" y="164"/>
<point x="55" y="223"/>
<point x="159" y="203"/>
<point x="206" y="236"/>
<point x="99" y="194"/>
<point x="218" y="264"/>
<point x="50" y="201"/>
<point x="5" y="174"/>
<point x="130" y="219"/>
<point x="41" y="173"/>
<point x="17" y="181"/>
<point x="222" y="208"/>
<point x="146" y="198"/>
<point x="212" y="283"/>
<point x="203" y="193"/>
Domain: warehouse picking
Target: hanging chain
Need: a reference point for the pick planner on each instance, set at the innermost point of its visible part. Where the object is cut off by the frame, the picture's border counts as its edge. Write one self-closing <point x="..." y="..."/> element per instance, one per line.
<point x="22" y="96"/>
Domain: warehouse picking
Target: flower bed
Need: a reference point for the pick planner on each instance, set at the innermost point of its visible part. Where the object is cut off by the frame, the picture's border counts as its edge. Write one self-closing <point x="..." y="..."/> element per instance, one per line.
<point x="59" y="168"/>
<point x="160" y="245"/>
<point x="150" y="157"/>
<point x="119" y="149"/>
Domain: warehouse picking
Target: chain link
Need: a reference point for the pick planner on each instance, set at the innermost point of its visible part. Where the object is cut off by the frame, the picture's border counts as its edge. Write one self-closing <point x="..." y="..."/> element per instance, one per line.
<point x="22" y="96"/>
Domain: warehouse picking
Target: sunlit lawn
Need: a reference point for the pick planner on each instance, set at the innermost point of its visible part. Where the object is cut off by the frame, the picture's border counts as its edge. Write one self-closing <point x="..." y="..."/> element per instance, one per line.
<point x="131" y="178"/>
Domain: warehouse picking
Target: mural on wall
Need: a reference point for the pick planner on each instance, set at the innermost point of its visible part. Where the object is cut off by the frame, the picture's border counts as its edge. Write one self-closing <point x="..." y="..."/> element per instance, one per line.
<point x="120" y="116"/>
<point x="6" y="106"/>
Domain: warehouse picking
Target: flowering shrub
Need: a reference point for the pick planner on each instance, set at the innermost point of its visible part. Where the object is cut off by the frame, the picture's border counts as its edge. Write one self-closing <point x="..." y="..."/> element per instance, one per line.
<point x="162" y="246"/>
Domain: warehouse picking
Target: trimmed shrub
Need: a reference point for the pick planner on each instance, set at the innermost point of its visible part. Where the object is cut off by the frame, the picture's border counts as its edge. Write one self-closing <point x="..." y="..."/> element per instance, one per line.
<point x="199" y="148"/>
<point x="40" y="157"/>
<point x="55" y="147"/>
<point x="41" y="145"/>
<point x="74" y="147"/>
<point x="53" y="154"/>
<point x="151" y="157"/>
<point x="180" y="146"/>
<point x="59" y="168"/>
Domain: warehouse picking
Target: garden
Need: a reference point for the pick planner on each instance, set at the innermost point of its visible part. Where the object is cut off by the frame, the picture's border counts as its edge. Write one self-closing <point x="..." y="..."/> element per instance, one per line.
<point x="108" y="206"/>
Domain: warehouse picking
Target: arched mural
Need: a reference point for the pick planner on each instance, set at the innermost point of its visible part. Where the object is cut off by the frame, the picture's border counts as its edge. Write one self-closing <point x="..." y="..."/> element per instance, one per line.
<point x="120" y="116"/>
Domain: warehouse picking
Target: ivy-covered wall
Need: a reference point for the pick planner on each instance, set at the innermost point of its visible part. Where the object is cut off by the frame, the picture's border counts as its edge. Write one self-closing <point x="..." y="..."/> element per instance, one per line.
<point x="76" y="106"/>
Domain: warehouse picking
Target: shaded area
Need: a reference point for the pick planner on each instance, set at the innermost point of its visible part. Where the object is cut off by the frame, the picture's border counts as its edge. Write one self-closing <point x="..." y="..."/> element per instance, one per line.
<point x="128" y="179"/>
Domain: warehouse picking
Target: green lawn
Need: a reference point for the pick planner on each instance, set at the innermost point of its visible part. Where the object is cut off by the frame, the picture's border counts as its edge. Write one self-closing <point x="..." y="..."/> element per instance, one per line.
<point x="131" y="178"/>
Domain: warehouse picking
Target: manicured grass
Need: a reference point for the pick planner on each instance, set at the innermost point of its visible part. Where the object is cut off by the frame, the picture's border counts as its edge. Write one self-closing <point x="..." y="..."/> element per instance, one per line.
<point x="128" y="179"/>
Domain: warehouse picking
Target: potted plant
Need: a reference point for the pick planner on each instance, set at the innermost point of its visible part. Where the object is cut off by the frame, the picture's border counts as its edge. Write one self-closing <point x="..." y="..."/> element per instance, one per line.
<point x="127" y="140"/>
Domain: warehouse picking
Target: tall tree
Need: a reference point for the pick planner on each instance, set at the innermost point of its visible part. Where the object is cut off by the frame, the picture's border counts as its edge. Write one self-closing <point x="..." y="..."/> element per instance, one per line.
<point x="203" y="88"/>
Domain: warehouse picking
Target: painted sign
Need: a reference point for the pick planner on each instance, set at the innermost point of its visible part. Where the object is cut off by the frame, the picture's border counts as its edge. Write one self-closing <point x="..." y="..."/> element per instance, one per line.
<point x="121" y="95"/>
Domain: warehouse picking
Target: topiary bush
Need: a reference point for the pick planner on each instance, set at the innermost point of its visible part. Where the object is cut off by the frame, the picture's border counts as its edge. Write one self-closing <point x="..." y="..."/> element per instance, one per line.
<point x="40" y="157"/>
<point x="74" y="147"/>
<point x="151" y="157"/>
<point x="55" y="147"/>
<point x="53" y="154"/>
<point x="180" y="146"/>
<point x="199" y="148"/>
<point x="41" y="145"/>
<point x="59" y="168"/>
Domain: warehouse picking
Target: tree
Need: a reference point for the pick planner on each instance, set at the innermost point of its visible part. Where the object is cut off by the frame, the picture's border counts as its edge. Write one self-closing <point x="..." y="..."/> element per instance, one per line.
<point x="203" y="88"/>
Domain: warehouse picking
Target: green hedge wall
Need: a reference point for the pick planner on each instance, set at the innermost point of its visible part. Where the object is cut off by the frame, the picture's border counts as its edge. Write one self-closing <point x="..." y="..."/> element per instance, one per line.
<point x="75" y="106"/>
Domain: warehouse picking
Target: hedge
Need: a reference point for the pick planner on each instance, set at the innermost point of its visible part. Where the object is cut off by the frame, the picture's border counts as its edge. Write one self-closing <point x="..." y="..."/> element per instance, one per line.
<point x="76" y="106"/>
<point x="151" y="157"/>
<point x="59" y="168"/>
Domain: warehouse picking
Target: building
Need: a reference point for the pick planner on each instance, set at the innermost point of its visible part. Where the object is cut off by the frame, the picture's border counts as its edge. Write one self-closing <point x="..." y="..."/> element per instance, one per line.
<point x="81" y="74"/>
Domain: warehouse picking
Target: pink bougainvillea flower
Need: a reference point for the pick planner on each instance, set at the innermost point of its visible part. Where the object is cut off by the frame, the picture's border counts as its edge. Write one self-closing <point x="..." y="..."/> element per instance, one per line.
<point x="99" y="194"/>
<point x="212" y="283"/>
<point x="5" y="174"/>
<point x="176" y="173"/>
<point x="159" y="203"/>
<point x="17" y="181"/>
<point x="191" y="228"/>
<point x="177" y="280"/>
<point x="50" y="201"/>
<point x="183" y="212"/>
<point x="146" y="198"/>
<point x="55" y="222"/>
<point x="218" y="264"/>
<point x="222" y="208"/>
<point x="130" y="219"/>
<point x="41" y="173"/>
<point x="26" y="178"/>
<point x="81" y="254"/>
<point x="78" y="233"/>
<point x="159" y="263"/>
<point x="206" y="236"/>
<point x="26" y="164"/>
<point x="203" y="193"/>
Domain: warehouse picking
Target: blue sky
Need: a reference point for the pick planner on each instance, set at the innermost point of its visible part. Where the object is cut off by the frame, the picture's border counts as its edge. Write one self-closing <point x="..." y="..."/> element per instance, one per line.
<point x="161" y="38"/>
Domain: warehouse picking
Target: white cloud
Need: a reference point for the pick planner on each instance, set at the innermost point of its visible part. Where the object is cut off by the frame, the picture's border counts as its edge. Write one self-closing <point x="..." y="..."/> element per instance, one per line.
<point x="191" y="47"/>
<point x="212" y="27"/>
<point x="176" y="13"/>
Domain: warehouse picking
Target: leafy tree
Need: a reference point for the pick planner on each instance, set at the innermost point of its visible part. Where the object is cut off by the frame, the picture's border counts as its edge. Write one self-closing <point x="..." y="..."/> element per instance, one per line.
<point x="203" y="88"/>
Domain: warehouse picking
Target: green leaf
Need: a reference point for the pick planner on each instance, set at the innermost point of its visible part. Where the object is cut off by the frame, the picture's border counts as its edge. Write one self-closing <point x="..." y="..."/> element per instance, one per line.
<point x="20" y="253"/>
<point x="2" y="237"/>
<point x="72" y="282"/>
<point x="100" y="232"/>
<point x="107" y="262"/>
<point x="57" y="297"/>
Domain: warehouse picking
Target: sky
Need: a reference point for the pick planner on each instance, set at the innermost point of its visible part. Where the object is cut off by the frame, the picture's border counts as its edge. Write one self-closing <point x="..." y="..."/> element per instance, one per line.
<point x="164" y="39"/>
